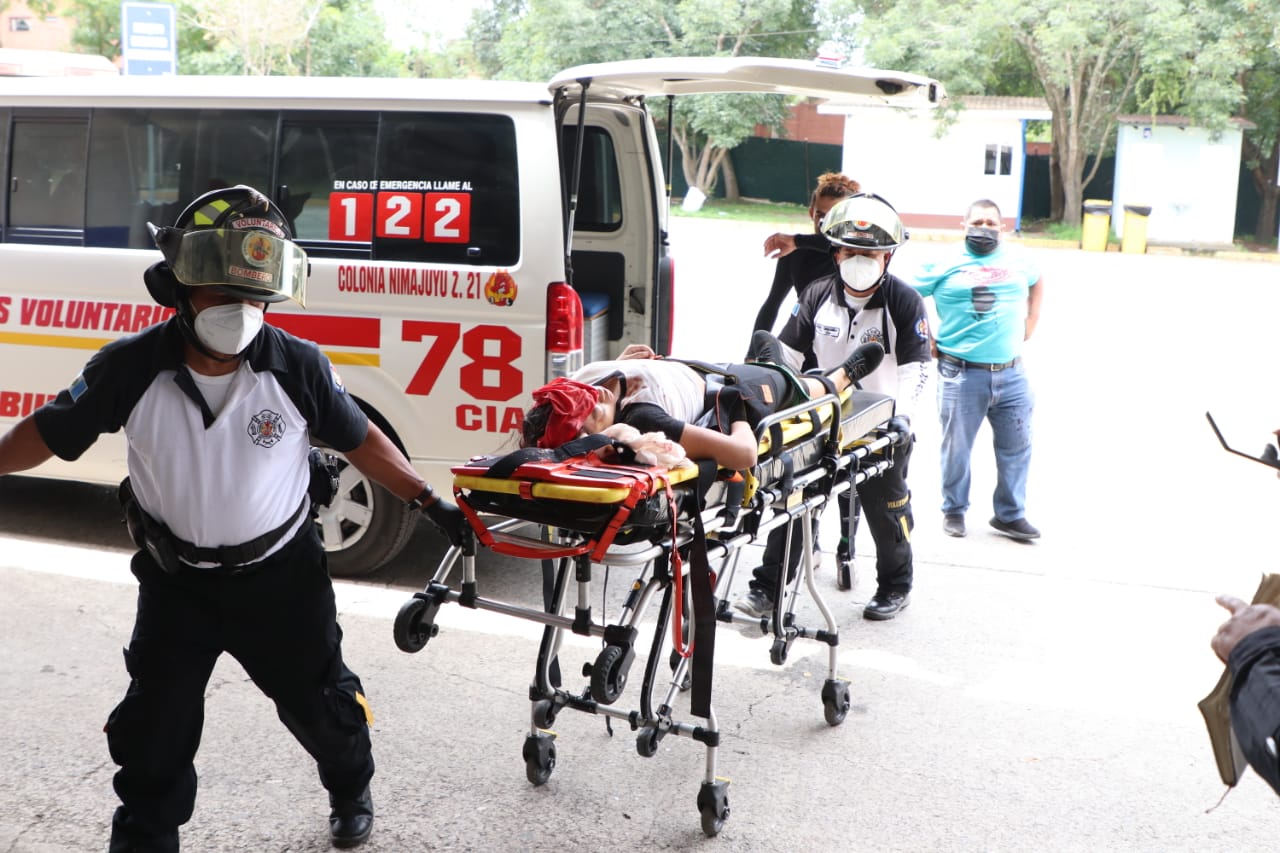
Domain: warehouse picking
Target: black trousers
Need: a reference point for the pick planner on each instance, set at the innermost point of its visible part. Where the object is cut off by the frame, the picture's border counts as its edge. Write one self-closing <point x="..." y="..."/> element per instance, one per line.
<point x="280" y="623"/>
<point x="886" y="508"/>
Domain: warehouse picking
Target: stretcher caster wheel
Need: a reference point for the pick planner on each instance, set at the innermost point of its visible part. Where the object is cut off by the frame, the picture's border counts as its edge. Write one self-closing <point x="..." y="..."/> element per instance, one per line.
<point x="544" y="713"/>
<point x="713" y="805"/>
<point x="686" y="681"/>
<point x="539" y="757"/>
<point x="415" y="624"/>
<point x="647" y="742"/>
<point x="844" y="574"/>
<point x="835" y="701"/>
<point x="778" y="652"/>
<point x="609" y="674"/>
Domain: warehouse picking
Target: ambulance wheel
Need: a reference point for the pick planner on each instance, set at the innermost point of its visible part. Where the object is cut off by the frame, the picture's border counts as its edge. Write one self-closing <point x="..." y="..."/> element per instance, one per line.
<point x="411" y="633"/>
<point x="835" y="701"/>
<point x="713" y="805"/>
<point x="609" y="675"/>
<point x="365" y="526"/>
<point x="539" y="758"/>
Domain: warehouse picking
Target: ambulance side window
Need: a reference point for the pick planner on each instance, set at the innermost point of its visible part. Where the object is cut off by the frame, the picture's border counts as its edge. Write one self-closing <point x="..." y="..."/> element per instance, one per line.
<point x="324" y="160"/>
<point x="46" y="190"/>
<point x="599" y="189"/>
<point x="147" y="165"/>
<point x="448" y="189"/>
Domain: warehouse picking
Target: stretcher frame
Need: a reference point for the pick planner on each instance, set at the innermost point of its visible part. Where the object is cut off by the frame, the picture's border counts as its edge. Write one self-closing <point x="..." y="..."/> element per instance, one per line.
<point x="834" y="454"/>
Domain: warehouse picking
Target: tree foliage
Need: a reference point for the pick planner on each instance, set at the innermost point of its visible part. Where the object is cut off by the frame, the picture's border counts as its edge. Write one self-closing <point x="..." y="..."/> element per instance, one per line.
<point x="302" y="37"/>
<point x="535" y="39"/>
<point x="1092" y="60"/>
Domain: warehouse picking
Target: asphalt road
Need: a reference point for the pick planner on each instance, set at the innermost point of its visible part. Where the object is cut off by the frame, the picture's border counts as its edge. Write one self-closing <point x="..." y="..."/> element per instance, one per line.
<point x="1034" y="696"/>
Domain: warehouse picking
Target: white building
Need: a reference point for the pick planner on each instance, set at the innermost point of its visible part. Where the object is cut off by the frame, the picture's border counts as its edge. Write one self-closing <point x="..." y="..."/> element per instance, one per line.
<point x="930" y="178"/>
<point x="1187" y="177"/>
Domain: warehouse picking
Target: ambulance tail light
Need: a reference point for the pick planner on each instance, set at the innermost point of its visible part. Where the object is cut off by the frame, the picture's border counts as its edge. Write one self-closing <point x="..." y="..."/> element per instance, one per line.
<point x="564" y="330"/>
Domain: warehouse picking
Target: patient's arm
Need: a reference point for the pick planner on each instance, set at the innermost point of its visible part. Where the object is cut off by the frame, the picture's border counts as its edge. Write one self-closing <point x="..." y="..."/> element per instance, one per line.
<point x="736" y="450"/>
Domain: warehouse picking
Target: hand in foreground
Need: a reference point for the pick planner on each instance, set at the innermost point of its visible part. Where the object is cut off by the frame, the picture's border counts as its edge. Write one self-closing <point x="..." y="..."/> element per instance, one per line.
<point x="1245" y="619"/>
<point x="448" y="518"/>
<point x="779" y="245"/>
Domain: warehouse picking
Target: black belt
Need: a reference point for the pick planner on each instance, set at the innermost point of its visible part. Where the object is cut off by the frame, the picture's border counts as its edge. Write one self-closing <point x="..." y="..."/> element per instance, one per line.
<point x="976" y="365"/>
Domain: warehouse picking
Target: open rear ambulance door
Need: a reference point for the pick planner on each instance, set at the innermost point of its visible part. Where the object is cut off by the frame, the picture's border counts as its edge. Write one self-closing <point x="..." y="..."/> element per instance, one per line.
<point x="624" y="253"/>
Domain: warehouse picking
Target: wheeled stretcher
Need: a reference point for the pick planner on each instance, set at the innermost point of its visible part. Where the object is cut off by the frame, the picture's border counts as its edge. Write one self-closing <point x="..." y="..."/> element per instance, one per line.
<point x="572" y="512"/>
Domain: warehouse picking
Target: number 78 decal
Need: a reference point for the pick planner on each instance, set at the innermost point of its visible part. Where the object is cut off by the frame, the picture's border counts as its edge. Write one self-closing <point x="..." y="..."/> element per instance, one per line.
<point x="489" y="374"/>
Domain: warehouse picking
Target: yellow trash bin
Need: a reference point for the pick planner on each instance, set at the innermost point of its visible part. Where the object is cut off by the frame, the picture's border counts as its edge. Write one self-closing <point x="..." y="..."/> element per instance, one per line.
<point x="1096" y="224"/>
<point x="1135" y="229"/>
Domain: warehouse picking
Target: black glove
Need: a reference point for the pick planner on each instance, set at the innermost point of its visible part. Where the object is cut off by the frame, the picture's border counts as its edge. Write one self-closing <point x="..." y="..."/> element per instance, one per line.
<point x="901" y="424"/>
<point x="448" y="518"/>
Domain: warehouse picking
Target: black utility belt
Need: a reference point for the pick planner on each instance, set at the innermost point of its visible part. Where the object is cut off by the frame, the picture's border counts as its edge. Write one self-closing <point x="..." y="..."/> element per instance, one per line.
<point x="977" y="365"/>
<point x="174" y="555"/>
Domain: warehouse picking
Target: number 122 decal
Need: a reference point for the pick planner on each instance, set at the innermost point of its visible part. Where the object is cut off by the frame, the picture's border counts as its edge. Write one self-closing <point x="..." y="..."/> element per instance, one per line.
<point x="430" y="217"/>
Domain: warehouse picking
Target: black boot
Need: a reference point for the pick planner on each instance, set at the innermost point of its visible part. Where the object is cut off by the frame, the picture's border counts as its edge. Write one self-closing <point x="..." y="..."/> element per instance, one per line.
<point x="351" y="819"/>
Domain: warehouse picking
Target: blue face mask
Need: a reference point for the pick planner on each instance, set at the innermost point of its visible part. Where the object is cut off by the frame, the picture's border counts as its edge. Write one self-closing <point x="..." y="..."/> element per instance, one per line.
<point x="982" y="241"/>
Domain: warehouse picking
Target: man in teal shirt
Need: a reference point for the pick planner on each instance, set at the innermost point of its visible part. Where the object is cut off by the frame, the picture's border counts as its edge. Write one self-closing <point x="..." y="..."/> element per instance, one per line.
<point x="987" y="298"/>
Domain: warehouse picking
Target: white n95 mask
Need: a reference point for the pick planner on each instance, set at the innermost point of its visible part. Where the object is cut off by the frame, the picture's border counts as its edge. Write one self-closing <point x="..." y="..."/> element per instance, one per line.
<point x="860" y="272"/>
<point x="228" y="329"/>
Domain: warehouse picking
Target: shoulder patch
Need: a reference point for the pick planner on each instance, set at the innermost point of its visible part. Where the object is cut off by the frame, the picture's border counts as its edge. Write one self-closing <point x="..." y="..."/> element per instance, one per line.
<point x="77" y="387"/>
<point x="922" y="328"/>
<point x="337" y="380"/>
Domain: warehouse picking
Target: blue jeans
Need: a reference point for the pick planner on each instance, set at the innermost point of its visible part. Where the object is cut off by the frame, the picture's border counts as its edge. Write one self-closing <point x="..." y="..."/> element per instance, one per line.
<point x="1004" y="397"/>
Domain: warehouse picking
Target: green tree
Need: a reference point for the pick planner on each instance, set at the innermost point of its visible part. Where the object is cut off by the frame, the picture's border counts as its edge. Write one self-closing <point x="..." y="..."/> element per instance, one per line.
<point x="528" y="39"/>
<point x="1086" y="58"/>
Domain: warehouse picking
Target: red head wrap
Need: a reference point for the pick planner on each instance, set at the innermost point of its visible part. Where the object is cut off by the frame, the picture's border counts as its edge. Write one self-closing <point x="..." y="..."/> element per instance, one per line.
<point x="571" y="401"/>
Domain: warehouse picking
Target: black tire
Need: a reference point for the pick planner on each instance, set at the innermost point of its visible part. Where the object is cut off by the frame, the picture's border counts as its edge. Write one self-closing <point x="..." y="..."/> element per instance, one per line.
<point x="835" y="701"/>
<point x="713" y="821"/>
<point x="365" y="526"/>
<point x="607" y="677"/>
<point x="544" y="713"/>
<point x="647" y="742"/>
<point x="778" y="652"/>
<point x="538" y="772"/>
<point x="409" y="633"/>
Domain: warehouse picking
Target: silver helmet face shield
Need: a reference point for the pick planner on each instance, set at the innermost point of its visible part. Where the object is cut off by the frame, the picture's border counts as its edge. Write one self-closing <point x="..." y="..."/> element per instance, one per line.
<point x="251" y="260"/>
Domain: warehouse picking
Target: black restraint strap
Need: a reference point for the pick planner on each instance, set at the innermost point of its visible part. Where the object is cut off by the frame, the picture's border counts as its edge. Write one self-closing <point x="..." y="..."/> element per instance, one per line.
<point x="702" y="591"/>
<point x="502" y="467"/>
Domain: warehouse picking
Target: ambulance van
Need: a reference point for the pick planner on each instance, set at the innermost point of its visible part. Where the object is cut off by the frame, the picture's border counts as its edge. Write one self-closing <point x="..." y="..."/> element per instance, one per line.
<point x="469" y="240"/>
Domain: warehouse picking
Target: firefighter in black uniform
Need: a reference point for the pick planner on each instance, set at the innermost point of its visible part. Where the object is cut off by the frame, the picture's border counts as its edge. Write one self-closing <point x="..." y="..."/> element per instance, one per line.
<point x="860" y="304"/>
<point x="220" y="412"/>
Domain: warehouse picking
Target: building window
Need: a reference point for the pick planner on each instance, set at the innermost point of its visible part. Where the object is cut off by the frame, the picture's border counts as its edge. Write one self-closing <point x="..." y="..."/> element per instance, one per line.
<point x="999" y="160"/>
<point x="19" y="25"/>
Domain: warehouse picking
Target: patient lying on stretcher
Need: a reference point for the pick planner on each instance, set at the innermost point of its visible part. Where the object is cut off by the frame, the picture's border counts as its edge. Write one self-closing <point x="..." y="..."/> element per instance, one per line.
<point x="711" y="410"/>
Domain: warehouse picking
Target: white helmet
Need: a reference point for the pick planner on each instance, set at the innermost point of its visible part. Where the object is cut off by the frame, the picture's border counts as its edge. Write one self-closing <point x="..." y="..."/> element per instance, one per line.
<point x="864" y="221"/>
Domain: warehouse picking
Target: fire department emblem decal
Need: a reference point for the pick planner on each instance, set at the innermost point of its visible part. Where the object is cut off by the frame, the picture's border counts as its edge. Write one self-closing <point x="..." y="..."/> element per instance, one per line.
<point x="266" y="428"/>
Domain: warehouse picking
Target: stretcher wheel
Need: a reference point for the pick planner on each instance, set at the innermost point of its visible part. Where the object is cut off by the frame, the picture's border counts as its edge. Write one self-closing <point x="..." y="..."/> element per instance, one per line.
<point x="539" y="757"/>
<point x="609" y="674"/>
<point x="413" y="626"/>
<point x="835" y="701"/>
<point x="647" y="742"/>
<point x="544" y="713"/>
<point x="713" y="805"/>
<point x="844" y="574"/>
<point x="778" y="652"/>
